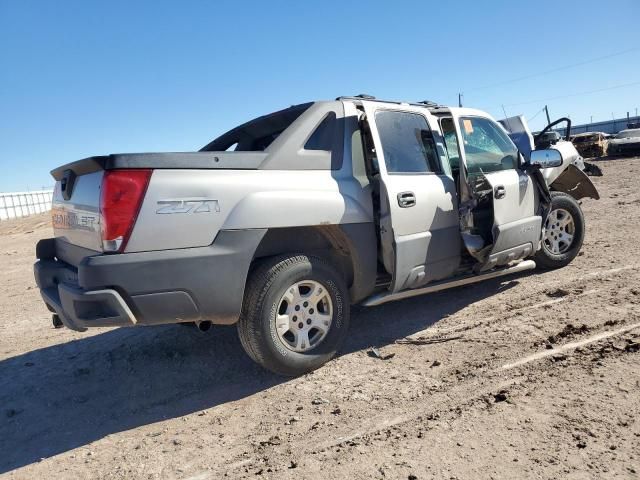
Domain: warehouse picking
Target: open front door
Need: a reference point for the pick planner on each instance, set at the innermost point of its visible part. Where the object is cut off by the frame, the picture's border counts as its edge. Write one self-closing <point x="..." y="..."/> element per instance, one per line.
<point x="418" y="221"/>
<point x="503" y="224"/>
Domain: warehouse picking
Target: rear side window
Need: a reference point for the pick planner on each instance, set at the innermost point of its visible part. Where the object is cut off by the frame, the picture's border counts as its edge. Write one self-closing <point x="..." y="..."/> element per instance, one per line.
<point x="408" y="145"/>
<point x="257" y="134"/>
<point x="324" y="134"/>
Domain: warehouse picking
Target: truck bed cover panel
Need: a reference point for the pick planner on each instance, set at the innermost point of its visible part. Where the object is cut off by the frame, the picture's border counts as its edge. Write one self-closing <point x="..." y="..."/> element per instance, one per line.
<point x="178" y="160"/>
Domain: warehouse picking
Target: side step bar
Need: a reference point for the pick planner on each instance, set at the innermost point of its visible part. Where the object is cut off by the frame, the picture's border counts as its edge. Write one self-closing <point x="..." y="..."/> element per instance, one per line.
<point x="380" y="298"/>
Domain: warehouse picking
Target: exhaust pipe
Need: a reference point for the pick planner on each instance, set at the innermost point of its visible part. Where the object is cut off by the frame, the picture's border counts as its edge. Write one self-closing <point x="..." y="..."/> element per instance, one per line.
<point x="204" y="325"/>
<point x="55" y="319"/>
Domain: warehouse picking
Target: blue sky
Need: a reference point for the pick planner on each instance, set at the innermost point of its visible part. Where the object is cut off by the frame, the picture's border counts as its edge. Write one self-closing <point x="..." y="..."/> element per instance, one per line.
<point x="82" y="78"/>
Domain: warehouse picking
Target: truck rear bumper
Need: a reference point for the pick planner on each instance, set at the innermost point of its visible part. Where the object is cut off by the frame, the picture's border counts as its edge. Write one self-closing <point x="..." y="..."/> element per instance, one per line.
<point x="88" y="289"/>
<point x="79" y="309"/>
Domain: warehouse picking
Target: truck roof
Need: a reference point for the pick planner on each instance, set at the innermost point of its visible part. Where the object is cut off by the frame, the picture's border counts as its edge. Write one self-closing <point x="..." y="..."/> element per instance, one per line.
<point x="433" y="107"/>
<point x="257" y="134"/>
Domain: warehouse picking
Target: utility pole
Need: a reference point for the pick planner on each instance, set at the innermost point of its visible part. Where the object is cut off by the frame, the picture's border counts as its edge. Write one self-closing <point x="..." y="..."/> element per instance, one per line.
<point x="546" y="110"/>
<point x="460" y="99"/>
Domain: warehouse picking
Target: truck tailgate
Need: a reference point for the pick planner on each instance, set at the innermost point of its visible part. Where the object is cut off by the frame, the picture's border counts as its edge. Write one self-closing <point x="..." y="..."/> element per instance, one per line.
<point x="76" y="198"/>
<point x="76" y="219"/>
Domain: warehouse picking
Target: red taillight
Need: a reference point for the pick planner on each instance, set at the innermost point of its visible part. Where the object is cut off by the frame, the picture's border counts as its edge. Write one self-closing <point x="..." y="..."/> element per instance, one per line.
<point x="120" y="200"/>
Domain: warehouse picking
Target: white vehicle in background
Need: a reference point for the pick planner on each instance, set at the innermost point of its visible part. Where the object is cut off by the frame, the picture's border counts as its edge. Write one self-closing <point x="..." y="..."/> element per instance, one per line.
<point x="626" y="142"/>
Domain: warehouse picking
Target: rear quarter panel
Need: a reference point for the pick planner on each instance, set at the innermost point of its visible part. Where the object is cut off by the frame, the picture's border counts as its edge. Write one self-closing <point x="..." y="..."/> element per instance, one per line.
<point x="206" y="202"/>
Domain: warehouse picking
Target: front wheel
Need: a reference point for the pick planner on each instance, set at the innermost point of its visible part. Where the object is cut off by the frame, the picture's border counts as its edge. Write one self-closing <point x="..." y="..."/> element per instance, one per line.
<point x="295" y="314"/>
<point x="563" y="233"/>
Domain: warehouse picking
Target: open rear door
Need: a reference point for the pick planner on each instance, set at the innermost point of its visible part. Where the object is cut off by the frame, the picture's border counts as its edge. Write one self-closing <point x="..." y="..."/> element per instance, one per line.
<point x="504" y="225"/>
<point x="418" y="221"/>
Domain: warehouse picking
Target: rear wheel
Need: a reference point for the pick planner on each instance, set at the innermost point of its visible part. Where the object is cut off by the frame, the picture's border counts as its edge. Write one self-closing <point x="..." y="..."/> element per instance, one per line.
<point x="295" y="314"/>
<point x="563" y="232"/>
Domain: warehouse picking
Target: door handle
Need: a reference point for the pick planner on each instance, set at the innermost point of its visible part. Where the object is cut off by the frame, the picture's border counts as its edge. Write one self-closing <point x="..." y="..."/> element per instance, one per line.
<point x="499" y="192"/>
<point x="406" y="199"/>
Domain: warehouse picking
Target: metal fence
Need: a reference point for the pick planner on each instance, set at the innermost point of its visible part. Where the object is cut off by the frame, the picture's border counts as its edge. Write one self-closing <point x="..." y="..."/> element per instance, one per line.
<point x="23" y="204"/>
<point x="606" y="126"/>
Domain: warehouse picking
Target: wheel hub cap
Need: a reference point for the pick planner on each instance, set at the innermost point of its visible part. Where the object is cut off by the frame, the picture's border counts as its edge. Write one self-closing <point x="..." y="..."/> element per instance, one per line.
<point x="559" y="230"/>
<point x="304" y="315"/>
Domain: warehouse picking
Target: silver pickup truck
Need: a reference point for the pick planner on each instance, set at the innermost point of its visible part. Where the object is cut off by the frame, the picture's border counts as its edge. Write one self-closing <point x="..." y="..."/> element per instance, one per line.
<point x="282" y="223"/>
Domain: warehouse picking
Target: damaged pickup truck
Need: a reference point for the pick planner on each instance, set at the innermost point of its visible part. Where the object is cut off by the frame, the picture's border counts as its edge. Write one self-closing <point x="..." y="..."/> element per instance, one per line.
<point x="282" y="223"/>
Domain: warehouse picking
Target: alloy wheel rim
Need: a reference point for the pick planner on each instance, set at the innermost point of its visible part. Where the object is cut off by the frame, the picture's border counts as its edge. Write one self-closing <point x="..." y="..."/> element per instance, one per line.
<point x="559" y="231"/>
<point x="304" y="316"/>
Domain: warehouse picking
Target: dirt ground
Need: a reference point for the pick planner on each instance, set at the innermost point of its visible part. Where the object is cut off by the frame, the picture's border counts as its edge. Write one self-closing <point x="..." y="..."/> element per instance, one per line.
<point x="531" y="376"/>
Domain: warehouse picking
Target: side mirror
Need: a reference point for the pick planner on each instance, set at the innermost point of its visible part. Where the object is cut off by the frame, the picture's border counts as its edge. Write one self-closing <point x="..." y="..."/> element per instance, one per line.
<point x="545" y="158"/>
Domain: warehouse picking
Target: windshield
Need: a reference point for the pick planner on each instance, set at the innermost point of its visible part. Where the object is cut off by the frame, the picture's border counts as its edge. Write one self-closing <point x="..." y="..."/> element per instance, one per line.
<point x="629" y="133"/>
<point x="487" y="147"/>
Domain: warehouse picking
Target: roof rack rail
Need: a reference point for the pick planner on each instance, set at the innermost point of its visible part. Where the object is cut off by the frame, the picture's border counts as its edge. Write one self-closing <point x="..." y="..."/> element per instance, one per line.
<point x="363" y="96"/>
<point x="428" y="103"/>
<point x="360" y="96"/>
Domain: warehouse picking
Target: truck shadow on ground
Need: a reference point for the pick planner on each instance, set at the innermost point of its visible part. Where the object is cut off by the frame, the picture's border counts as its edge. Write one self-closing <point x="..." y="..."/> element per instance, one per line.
<point x="58" y="398"/>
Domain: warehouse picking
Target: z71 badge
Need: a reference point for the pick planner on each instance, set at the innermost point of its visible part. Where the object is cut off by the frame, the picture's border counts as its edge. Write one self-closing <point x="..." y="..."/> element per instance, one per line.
<point x="195" y="205"/>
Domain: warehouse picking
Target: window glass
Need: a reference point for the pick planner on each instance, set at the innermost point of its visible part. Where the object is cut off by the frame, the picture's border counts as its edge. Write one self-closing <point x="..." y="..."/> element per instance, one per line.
<point x="407" y="143"/>
<point x="451" y="142"/>
<point x="322" y="137"/>
<point x="357" y="158"/>
<point x="486" y="146"/>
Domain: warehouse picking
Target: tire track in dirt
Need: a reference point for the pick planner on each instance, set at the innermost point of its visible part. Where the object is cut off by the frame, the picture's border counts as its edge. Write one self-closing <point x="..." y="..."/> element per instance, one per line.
<point x="572" y="345"/>
<point x="475" y="388"/>
<point x="465" y="393"/>
<point x="568" y="283"/>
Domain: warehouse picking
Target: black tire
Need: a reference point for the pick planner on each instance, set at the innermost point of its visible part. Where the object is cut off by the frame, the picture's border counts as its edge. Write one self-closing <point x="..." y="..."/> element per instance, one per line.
<point x="257" y="327"/>
<point x="547" y="260"/>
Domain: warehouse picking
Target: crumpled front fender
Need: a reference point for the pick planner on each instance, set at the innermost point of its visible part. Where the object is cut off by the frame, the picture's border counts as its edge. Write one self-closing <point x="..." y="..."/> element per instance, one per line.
<point x="576" y="183"/>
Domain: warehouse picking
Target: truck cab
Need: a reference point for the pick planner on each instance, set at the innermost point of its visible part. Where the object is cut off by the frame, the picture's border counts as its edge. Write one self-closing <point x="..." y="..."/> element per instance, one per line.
<point x="452" y="190"/>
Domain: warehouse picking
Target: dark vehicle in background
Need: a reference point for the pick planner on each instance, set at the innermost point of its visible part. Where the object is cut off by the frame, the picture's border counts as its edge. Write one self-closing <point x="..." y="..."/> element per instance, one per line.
<point x="626" y="142"/>
<point x="591" y="144"/>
